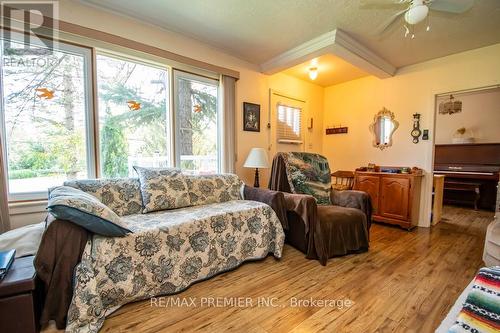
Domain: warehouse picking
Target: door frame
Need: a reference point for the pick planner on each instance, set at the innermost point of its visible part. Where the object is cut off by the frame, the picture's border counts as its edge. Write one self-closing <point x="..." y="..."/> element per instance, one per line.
<point x="430" y="158"/>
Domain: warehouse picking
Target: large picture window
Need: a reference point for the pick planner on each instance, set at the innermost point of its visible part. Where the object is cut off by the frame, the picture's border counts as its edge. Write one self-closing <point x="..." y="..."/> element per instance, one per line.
<point x="133" y="117"/>
<point x="45" y="119"/>
<point x="53" y="132"/>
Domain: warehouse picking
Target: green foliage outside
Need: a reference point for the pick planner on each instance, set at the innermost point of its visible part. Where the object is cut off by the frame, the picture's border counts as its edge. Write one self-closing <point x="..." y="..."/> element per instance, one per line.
<point x="60" y="147"/>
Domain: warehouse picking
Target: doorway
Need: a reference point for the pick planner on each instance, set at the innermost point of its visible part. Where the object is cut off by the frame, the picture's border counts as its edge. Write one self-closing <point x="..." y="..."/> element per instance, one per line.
<point x="466" y="154"/>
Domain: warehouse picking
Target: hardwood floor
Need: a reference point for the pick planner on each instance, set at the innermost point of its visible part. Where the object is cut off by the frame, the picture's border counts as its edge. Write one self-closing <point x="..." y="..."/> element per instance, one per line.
<point x="406" y="283"/>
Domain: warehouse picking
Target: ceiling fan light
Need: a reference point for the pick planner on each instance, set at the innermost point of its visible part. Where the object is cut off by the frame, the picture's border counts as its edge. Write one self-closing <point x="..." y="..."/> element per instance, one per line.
<point x="313" y="73"/>
<point x="416" y="14"/>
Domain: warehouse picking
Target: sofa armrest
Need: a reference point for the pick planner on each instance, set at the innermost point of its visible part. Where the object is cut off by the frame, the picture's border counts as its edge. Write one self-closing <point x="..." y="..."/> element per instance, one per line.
<point x="353" y="199"/>
<point x="274" y="199"/>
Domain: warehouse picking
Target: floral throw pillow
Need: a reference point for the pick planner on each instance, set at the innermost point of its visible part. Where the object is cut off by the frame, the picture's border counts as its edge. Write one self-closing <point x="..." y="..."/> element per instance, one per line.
<point x="162" y="189"/>
<point x="73" y="205"/>
<point x="122" y="195"/>
<point x="208" y="189"/>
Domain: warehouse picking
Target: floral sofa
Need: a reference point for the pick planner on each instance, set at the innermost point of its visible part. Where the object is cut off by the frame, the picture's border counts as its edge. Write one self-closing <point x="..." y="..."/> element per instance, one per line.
<point x="205" y="229"/>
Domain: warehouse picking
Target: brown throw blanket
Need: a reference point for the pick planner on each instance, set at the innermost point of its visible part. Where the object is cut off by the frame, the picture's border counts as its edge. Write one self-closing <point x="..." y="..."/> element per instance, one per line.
<point x="306" y="210"/>
<point x="354" y="199"/>
<point x="60" y="251"/>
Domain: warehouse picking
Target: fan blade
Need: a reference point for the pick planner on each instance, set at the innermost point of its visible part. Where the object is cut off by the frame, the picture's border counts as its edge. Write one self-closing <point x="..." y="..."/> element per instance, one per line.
<point x="451" y="6"/>
<point x="382" y="4"/>
<point x="387" y="24"/>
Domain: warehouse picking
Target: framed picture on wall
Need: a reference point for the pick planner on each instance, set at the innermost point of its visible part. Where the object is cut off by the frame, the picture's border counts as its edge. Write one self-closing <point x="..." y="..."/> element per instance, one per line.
<point x="251" y="117"/>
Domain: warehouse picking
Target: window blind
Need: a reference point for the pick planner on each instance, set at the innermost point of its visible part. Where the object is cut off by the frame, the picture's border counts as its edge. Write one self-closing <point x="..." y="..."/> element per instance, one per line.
<point x="289" y="124"/>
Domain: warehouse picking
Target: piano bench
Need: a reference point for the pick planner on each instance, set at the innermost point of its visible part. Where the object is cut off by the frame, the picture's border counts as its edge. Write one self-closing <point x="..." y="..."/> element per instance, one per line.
<point x="473" y="188"/>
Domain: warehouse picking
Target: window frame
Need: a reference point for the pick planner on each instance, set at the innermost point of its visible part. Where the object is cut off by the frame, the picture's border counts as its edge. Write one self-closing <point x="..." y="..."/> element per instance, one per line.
<point x="67" y="43"/>
<point x="176" y="73"/>
<point x="71" y="48"/>
<point x="168" y="93"/>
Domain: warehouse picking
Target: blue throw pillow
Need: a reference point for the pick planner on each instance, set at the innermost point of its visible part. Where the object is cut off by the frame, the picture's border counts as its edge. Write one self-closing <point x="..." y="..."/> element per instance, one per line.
<point x="85" y="210"/>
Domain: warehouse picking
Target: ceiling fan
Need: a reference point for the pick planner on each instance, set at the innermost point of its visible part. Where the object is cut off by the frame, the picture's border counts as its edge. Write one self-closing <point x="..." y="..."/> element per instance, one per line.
<point x="416" y="11"/>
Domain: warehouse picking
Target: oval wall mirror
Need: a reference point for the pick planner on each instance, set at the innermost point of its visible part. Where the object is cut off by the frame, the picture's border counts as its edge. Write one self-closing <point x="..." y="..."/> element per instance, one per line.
<point x="383" y="127"/>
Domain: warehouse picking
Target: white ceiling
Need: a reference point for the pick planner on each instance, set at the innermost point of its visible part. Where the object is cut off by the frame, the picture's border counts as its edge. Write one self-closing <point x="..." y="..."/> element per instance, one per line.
<point x="258" y="30"/>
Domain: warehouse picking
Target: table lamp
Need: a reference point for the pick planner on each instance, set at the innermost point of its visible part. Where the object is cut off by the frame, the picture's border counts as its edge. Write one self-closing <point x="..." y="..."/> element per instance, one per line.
<point x="257" y="158"/>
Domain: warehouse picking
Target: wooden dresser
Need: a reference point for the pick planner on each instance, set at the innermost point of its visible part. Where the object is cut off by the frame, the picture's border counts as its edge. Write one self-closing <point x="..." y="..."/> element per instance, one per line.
<point x="395" y="196"/>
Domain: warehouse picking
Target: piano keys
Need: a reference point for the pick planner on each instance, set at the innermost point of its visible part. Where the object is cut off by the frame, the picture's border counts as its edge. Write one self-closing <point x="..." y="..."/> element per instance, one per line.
<point x="471" y="173"/>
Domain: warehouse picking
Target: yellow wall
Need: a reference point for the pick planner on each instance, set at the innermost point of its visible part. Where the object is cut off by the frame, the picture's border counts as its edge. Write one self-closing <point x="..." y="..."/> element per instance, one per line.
<point x="412" y="90"/>
<point x="312" y="94"/>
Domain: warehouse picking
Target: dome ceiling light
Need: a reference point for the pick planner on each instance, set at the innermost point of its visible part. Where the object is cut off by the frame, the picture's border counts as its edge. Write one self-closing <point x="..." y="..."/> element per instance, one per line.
<point x="313" y="73"/>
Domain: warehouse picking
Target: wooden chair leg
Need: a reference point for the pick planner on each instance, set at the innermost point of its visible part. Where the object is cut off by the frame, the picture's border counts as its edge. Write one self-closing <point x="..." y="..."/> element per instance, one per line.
<point x="476" y="199"/>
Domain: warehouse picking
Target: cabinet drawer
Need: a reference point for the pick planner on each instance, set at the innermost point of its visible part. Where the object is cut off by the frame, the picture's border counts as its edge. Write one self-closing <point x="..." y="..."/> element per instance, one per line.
<point x="18" y="314"/>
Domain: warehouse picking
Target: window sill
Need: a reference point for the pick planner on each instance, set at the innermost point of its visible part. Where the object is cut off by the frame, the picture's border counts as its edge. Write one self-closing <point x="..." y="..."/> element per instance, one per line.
<point x="27" y="207"/>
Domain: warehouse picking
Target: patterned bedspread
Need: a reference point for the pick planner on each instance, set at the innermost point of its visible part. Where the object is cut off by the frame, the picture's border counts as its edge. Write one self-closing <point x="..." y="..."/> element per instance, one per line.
<point x="169" y="251"/>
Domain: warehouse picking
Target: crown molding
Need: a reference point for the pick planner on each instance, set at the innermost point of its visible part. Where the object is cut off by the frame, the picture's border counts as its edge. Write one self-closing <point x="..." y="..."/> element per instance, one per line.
<point x="359" y="55"/>
<point x="310" y="49"/>
<point x="336" y="42"/>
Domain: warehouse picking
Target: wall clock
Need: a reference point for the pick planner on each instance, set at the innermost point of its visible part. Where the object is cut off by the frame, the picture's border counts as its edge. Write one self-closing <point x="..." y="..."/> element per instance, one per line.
<point x="415" y="132"/>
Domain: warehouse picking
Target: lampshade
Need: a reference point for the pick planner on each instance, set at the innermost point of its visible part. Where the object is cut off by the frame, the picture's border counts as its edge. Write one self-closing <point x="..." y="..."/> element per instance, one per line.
<point x="257" y="158"/>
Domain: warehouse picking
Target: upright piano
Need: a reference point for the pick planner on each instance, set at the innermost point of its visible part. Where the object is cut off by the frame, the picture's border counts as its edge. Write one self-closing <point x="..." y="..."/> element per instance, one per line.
<point x="471" y="173"/>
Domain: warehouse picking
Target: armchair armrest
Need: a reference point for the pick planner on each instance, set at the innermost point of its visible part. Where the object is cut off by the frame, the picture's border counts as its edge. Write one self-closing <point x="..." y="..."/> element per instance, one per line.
<point x="304" y="206"/>
<point x="274" y="199"/>
<point x="353" y="199"/>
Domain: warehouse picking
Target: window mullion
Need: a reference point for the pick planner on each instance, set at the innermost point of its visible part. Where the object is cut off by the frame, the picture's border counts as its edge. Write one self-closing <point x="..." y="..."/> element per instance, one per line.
<point x="172" y="120"/>
<point x="3" y="132"/>
<point x="94" y="111"/>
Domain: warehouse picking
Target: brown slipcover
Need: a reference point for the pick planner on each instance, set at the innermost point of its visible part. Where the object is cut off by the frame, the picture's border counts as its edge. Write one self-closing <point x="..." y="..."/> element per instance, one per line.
<point x="322" y="232"/>
<point x="274" y="199"/>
